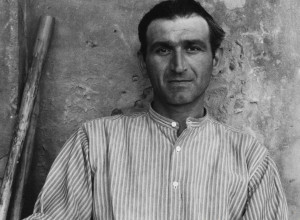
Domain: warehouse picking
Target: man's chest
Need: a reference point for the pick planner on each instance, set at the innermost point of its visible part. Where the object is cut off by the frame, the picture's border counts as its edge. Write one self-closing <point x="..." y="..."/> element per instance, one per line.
<point x="165" y="177"/>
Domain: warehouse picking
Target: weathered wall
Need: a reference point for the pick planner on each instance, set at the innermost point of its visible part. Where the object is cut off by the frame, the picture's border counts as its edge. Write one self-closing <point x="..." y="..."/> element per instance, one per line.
<point x="12" y="65"/>
<point x="92" y="70"/>
<point x="258" y="87"/>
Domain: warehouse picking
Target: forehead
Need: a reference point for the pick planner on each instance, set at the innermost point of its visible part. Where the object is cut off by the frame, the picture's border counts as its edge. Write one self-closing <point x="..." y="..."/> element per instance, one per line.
<point x="178" y="29"/>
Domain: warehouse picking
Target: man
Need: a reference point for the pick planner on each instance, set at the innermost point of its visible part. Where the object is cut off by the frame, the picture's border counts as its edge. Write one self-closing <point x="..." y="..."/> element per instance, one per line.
<point x="173" y="161"/>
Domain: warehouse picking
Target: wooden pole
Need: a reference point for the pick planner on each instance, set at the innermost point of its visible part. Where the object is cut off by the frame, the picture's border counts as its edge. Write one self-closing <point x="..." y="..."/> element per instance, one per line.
<point x="16" y="203"/>
<point x="30" y="91"/>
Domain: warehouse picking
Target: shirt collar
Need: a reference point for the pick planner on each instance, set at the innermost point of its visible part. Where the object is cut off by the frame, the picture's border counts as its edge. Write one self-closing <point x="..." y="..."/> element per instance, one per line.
<point x="191" y="122"/>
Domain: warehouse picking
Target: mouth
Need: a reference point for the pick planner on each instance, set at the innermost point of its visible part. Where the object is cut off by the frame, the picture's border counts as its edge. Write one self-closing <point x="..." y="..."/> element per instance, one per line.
<point x="179" y="84"/>
<point x="179" y="81"/>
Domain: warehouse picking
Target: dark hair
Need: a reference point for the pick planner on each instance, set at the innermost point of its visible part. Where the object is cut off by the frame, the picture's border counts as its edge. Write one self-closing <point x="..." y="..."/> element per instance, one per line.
<point x="179" y="8"/>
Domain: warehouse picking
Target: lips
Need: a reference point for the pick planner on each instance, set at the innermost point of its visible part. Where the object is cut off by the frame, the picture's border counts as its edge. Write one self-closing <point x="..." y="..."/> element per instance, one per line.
<point x="179" y="81"/>
<point x="182" y="83"/>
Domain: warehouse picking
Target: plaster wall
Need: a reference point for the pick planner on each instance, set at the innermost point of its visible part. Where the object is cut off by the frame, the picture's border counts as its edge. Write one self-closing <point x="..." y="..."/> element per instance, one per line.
<point x="92" y="71"/>
<point x="12" y="65"/>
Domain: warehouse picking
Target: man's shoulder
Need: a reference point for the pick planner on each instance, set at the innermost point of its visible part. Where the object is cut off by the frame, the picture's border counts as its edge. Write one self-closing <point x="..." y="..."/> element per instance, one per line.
<point x="230" y="128"/>
<point x="242" y="138"/>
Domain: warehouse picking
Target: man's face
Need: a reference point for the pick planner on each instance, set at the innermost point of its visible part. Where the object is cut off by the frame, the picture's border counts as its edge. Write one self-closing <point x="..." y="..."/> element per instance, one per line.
<point x="179" y="59"/>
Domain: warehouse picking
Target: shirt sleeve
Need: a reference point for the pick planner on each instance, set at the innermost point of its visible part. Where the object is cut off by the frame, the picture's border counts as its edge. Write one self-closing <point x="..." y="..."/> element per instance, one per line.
<point x="67" y="193"/>
<point x="266" y="196"/>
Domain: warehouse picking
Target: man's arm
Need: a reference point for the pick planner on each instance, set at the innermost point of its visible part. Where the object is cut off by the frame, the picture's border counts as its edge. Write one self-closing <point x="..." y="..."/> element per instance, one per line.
<point x="266" y="197"/>
<point x="67" y="193"/>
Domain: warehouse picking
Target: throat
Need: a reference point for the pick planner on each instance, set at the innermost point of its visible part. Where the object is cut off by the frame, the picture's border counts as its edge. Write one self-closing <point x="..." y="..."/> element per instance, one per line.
<point x="181" y="128"/>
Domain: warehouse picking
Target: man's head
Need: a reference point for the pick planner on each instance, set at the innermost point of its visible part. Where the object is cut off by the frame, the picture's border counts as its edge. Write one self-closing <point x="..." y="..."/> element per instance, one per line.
<point x="172" y="9"/>
<point x="179" y="51"/>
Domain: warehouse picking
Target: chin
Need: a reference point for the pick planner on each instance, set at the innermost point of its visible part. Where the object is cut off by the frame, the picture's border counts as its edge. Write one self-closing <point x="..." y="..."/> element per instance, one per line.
<point x="184" y="98"/>
<point x="179" y="100"/>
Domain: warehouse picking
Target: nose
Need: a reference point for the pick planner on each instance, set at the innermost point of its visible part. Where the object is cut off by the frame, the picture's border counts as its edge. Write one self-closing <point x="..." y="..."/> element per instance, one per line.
<point x="178" y="64"/>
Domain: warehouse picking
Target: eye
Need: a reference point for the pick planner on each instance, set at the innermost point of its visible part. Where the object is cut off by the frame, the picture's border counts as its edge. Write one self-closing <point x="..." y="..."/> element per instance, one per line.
<point x="193" y="49"/>
<point x="163" y="51"/>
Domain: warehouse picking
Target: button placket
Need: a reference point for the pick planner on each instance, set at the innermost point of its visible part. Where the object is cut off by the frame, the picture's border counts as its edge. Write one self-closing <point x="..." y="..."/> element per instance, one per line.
<point x="175" y="173"/>
<point x="175" y="182"/>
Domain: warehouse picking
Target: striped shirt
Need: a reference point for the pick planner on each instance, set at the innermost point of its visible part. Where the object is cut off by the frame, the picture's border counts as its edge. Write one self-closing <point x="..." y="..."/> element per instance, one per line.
<point x="136" y="168"/>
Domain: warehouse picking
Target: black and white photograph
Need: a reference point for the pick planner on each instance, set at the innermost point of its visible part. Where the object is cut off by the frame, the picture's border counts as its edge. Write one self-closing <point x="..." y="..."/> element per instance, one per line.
<point x="150" y="110"/>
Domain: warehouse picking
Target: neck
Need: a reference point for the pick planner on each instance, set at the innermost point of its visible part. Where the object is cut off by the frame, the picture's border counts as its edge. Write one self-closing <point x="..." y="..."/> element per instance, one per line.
<point x="180" y="113"/>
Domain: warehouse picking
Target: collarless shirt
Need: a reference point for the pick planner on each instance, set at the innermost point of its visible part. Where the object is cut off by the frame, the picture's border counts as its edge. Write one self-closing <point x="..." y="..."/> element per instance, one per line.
<point x="135" y="167"/>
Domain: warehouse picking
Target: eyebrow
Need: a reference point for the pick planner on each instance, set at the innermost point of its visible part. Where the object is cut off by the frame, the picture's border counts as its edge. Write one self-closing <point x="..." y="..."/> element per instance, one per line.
<point x="169" y="44"/>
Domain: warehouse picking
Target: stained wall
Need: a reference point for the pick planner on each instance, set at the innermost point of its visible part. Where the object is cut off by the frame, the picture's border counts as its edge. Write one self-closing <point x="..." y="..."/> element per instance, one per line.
<point x="12" y="66"/>
<point x="92" y="71"/>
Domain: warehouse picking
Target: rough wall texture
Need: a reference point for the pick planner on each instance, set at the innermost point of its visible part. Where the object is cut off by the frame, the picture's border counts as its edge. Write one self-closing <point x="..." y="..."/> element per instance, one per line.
<point x="12" y="66"/>
<point x="92" y="71"/>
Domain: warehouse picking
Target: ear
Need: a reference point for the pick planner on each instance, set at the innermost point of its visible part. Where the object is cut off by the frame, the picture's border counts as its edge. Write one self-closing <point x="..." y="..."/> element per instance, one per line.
<point x="218" y="58"/>
<point x="142" y="63"/>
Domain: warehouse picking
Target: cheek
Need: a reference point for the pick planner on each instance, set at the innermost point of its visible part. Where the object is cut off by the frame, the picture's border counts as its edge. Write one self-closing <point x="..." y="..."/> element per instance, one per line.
<point x="154" y="76"/>
<point x="156" y="69"/>
<point x="203" y="68"/>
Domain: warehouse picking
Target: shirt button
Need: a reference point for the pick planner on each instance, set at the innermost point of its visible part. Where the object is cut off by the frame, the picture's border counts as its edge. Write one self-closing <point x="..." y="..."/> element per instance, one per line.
<point x="178" y="149"/>
<point x="173" y="124"/>
<point x="175" y="185"/>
